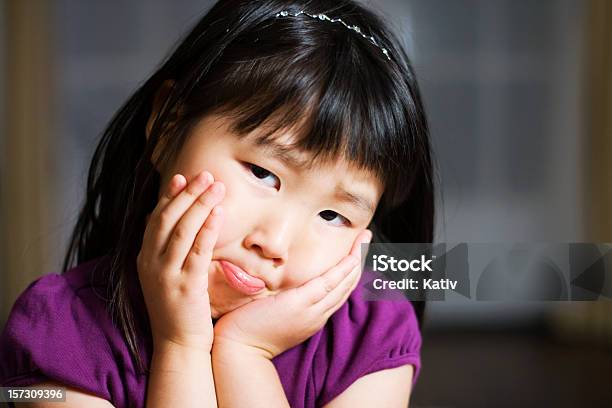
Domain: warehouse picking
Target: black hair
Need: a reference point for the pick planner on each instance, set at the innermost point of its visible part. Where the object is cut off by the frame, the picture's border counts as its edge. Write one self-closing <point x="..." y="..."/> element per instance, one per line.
<point x="340" y="91"/>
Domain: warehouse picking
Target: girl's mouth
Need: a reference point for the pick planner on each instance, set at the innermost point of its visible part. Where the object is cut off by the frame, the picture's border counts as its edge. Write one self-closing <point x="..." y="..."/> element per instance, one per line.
<point x="238" y="279"/>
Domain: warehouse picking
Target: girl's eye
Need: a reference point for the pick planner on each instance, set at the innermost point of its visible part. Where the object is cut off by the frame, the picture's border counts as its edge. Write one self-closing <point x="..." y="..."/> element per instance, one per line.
<point x="264" y="174"/>
<point x="329" y="215"/>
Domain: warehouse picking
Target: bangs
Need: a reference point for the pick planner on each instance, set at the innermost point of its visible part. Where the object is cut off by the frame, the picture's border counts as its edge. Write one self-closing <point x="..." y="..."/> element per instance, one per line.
<point x="338" y="102"/>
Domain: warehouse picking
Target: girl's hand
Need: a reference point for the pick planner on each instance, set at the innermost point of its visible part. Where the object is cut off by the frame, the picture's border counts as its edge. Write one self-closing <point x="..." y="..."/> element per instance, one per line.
<point x="173" y="262"/>
<point x="274" y="324"/>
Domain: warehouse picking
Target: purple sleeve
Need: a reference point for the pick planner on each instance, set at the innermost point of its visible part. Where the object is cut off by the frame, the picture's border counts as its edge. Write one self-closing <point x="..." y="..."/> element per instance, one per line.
<point x="365" y="337"/>
<point x="51" y="335"/>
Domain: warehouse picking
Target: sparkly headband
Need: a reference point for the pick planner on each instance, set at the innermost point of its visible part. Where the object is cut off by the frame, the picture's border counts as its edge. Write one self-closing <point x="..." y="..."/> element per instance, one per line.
<point x="324" y="17"/>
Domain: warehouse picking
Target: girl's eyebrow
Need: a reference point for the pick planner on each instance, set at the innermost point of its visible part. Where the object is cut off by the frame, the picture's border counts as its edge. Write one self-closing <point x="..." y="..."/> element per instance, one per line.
<point x="284" y="154"/>
<point x="356" y="199"/>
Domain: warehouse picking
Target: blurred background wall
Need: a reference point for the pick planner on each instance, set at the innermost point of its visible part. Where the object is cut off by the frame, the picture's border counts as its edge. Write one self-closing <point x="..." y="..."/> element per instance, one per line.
<point x="519" y="98"/>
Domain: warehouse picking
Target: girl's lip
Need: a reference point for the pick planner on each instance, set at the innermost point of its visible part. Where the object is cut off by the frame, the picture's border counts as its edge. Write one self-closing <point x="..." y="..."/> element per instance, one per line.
<point x="238" y="279"/>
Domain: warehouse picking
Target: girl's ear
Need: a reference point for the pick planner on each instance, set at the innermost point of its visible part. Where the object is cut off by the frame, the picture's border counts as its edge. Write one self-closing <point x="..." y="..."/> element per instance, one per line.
<point x="158" y="102"/>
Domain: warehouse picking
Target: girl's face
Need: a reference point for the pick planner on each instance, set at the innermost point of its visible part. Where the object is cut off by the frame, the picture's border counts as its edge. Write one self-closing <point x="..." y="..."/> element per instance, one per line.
<point x="283" y="225"/>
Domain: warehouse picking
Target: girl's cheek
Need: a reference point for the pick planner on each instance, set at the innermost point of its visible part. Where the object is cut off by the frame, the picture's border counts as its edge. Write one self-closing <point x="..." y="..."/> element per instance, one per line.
<point x="228" y="232"/>
<point x="313" y="262"/>
<point x="234" y="220"/>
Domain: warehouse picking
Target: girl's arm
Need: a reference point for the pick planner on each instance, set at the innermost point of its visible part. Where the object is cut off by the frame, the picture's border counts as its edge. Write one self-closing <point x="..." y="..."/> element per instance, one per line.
<point x="173" y="268"/>
<point x="245" y="377"/>
<point x="180" y="376"/>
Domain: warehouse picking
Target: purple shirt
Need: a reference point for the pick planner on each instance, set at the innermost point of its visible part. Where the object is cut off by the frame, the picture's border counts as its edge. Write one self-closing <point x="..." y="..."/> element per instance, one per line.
<point x="59" y="330"/>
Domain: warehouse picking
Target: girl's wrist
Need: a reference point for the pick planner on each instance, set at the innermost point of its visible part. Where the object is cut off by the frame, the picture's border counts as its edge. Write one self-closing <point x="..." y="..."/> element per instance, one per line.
<point x="249" y="369"/>
<point x="194" y="347"/>
<point x="228" y="350"/>
<point x="173" y="357"/>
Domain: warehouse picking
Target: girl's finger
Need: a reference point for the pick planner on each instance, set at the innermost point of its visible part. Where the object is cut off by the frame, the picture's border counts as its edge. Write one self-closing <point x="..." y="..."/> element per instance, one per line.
<point x="340" y="294"/>
<point x="164" y="221"/>
<point x="175" y="185"/>
<point x="201" y="252"/>
<point x="184" y="233"/>
<point x="316" y="289"/>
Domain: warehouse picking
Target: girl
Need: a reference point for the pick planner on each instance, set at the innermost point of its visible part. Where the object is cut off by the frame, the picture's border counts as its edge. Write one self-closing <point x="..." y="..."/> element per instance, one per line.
<point x="218" y="246"/>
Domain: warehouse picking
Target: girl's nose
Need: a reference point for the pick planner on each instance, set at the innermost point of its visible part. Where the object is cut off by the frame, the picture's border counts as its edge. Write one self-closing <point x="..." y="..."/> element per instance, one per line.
<point x="271" y="238"/>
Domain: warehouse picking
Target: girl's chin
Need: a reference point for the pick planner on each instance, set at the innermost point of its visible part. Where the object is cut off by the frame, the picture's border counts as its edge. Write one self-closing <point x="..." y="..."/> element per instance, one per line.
<point x="223" y="298"/>
<point x="218" y="309"/>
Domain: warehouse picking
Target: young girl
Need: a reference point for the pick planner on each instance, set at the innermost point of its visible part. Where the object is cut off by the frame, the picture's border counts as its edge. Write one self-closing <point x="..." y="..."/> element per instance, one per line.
<point x="217" y="250"/>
